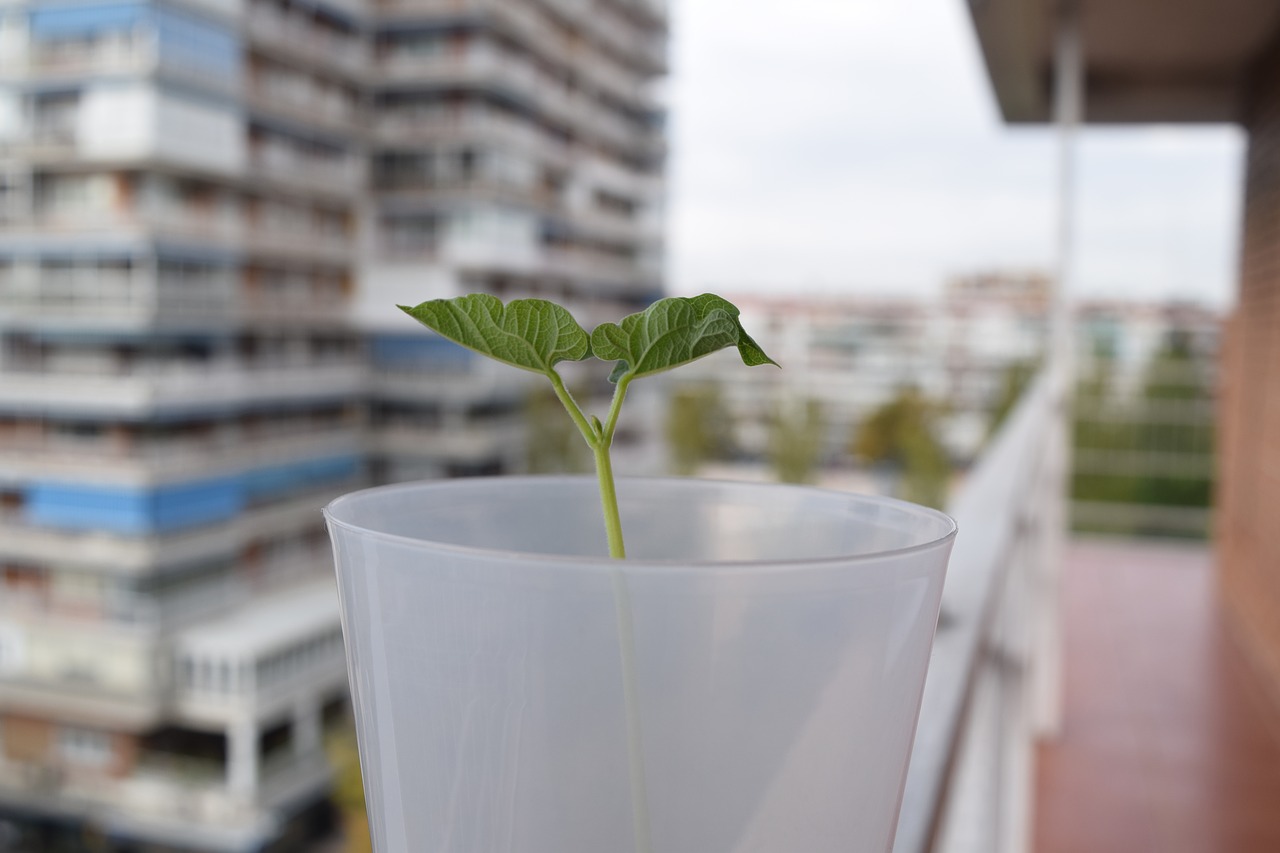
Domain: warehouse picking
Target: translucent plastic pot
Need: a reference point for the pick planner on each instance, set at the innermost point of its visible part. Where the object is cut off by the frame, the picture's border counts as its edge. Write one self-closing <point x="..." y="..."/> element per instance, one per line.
<point x="747" y="680"/>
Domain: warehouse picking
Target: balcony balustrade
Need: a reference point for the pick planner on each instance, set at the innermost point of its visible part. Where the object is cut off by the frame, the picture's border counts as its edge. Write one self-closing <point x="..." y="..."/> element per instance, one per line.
<point x="93" y="298"/>
<point x="263" y="658"/>
<point x="113" y="673"/>
<point x="612" y="273"/>
<point x="109" y="387"/>
<point x="302" y="99"/>
<point x="171" y="800"/>
<point x="411" y="383"/>
<point x="290" y="167"/>
<point x="992" y="686"/>
<point x="405" y="125"/>
<point x="150" y="461"/>
<point x="122" y="54"/>
<point x="295" y="35"/>
<point x="482" y="66"/>
<point x="474" y="441"/>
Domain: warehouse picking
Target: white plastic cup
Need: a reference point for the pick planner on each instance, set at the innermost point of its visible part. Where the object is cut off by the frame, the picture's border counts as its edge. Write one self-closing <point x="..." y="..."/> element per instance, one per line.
<point x="779" y="638"/>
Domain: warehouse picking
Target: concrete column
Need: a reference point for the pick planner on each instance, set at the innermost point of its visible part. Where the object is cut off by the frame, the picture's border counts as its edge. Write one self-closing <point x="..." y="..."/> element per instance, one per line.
<point x="243" y="757"/>
<point x="1068" y="107"/>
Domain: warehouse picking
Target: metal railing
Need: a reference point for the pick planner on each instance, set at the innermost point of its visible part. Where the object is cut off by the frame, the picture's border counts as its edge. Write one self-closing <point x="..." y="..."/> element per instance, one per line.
<point x="992" y="685"/>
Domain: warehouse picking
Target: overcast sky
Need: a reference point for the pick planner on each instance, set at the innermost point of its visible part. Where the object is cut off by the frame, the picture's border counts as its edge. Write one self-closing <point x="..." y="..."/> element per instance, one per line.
<point x="854" y="145"/>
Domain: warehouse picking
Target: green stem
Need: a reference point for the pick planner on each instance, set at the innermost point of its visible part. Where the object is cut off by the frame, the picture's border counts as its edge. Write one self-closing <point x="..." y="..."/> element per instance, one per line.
<point x="604" y="471"/>
<point x="635" y="752"/>
<point x="600" y="438"/>
<point x="571" y="406"/>
<point x="619" y="394"/>
<point x="609" y="501"/>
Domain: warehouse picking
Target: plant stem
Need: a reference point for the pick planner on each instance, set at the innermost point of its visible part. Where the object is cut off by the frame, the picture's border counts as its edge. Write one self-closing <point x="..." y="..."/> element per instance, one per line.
<point x="609" y="502"/>
<point x="571" y="406"/>
<point x="635" y="752"/>
<point x="600" y="439"/>
<point x="604" y="471"/>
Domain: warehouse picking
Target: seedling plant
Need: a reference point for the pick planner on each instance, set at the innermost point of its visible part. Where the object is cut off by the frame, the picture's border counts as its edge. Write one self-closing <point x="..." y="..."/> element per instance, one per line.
<point x="537" y="334"/>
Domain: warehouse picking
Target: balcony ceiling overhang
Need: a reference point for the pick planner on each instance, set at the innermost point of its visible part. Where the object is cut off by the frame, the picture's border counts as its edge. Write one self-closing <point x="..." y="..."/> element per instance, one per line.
<point x="1145" y="60"/>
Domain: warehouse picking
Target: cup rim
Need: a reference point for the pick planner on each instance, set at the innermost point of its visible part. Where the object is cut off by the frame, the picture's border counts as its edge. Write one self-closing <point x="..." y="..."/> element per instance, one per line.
<point x="630" y="563"/>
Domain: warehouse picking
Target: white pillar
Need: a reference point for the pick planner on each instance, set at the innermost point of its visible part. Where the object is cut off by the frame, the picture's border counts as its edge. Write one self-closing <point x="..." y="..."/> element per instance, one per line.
<point x="243" y="757"/>
<point x="1068" y="106"/>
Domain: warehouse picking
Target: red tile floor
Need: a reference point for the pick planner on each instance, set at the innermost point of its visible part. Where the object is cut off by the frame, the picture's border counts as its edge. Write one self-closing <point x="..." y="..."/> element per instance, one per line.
<point x="1168" y="743"/>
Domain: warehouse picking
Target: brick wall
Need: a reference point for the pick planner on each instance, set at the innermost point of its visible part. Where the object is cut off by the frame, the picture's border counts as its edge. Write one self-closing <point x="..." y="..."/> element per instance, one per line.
<point x="1248" y="522"/>
<point x="26" y="739"/>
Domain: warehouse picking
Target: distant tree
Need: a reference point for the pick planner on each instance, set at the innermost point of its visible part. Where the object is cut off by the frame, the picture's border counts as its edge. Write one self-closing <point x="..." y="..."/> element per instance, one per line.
<point x="348" y="787"/>
<point x="796" y="435"/>
<point x="902" y="435"/>
<point x="552" y="444"/>
<point x="1015" y="380"/>
<point x="1175" y="385"/>
<point x="1162" y="418"/>
<point x="699" y="427"/>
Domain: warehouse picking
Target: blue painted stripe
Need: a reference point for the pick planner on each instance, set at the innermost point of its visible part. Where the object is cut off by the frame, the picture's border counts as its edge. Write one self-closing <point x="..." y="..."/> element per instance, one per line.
<point x="137" y="512"/>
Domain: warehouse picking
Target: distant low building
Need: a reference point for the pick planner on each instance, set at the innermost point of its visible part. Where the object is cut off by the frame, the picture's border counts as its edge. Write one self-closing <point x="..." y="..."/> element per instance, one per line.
<point x="854" y="354"/>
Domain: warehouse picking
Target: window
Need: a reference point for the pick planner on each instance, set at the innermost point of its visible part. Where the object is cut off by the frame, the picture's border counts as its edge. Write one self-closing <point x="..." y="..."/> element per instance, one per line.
<point x="84" y="747"/>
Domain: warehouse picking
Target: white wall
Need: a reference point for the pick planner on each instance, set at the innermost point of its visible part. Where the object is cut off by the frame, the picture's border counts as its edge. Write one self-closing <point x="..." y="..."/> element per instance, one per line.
<point x="493" y="236"/>
<point x="233" y="9"/>
<point x="383" y="286"/>
<point x="116" y="120"/>
<point x="12" y="124"/>
<point x="136" y="120"/>
<point x="13" y="39"/>
<point x="199" y="134"/>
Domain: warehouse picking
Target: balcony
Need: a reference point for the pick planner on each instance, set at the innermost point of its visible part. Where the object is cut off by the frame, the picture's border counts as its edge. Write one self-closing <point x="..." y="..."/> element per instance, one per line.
<point x="138" y="555"/>
<point x="290" y="167"/>
<point x="104" y="459"/>
<point x="107" y="388"/>
<point x="1166" y="744"/>
<point x="121" y="54"/>
<point x="170" y="802"/>
<point x="404" y="126"/>
<point x="521" y="79"/>
<point x="468" y="442"/>
<point x="92" y="298"/>
<point x="262" y="660"/>
<point x="303" y="100"/>
<point x="78" y="670"/>
<point x="413" y="383"/>
<point x="295" y="36"/>
<point x="611" y="274"/>
<point x="993" y="668"/>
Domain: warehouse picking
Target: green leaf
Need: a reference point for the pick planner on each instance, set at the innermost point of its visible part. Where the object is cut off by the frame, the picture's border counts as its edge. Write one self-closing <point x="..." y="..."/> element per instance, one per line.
<point x="672" y="332"/>
<point x="532" y="334"/>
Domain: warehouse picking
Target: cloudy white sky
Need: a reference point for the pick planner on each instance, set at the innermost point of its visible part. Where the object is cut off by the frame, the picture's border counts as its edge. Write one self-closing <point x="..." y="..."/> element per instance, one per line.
<point x="854" y="145"/>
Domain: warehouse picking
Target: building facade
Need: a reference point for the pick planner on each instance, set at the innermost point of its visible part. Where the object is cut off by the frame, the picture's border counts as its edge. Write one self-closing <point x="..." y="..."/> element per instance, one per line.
<point x="516" y="148"/>
<point x="191" y="194"/>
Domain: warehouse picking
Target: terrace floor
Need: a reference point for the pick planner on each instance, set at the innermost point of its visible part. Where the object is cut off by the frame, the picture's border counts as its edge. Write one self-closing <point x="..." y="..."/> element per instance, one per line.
<point x="1168" y="743"/>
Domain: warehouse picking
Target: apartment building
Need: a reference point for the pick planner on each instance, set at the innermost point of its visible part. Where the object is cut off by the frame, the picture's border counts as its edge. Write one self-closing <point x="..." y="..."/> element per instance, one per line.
<point x="852" y="355"/>
<point x="179" y="394"/>
<point x="191" y="194"/>
<point x="515" y="148"/>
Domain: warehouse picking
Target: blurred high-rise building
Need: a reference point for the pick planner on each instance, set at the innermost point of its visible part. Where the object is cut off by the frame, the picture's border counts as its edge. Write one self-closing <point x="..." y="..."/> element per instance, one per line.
<point x="191" y="194"/>
<point x="516" y="148"/>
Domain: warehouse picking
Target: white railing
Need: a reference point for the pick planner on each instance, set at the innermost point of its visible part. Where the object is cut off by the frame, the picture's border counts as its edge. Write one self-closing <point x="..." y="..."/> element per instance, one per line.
<point x="147" y="462"/>
<point x="993" y="680"/>
<point x="108" y="384"/>
<point x="296" y="34"/>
